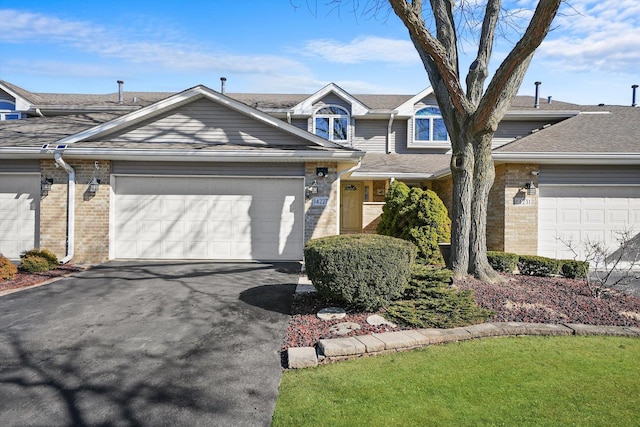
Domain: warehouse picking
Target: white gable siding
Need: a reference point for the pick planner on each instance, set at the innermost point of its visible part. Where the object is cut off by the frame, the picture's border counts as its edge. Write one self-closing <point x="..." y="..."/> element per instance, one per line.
<point x="333" y="99"/>
<point x="203" y="121"/>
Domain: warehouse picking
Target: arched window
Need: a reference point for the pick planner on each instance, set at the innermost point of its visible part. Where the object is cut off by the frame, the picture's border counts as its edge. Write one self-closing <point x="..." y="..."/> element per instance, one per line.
<point x="429" y="126"/>
<point x="8" y="110"/>
<point x="332" y="123"/>
<point x="7" y="105"/>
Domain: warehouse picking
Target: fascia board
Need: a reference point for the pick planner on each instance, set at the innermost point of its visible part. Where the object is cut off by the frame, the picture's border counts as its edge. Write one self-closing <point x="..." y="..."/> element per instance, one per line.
<point x="406" y="109"/>
<point x="191" y="155"/>
<point x="387" y="175"/>
<point x="537" y="115"/>
<point x="184" y="97"/>
<point x="306" y="107"/>
<point x="569" y="158"/>
<point x="84" y="108"/>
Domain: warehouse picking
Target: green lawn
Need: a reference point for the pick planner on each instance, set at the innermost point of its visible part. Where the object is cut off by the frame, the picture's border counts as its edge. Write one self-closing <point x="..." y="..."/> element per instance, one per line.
<point x="542" y="381"/>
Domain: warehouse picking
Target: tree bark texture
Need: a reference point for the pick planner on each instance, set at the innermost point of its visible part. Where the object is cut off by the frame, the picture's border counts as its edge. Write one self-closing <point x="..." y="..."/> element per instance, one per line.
<point x="472" y="117"/>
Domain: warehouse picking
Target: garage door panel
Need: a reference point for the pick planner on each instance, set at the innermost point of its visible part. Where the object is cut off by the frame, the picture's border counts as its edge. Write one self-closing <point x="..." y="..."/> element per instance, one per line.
<point x="569" y="216"/>
<point x="19" y="209"/>
<point x="594" y="216"/>
<point x="598" y="215"/>
<point x="235" y="218"/>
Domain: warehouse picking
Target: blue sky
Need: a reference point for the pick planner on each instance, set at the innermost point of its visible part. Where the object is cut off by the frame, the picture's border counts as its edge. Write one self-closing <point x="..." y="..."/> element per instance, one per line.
<point x="289" y="46"/>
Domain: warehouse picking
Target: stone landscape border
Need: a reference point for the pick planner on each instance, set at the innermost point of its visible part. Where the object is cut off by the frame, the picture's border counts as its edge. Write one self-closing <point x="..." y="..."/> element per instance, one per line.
<point x="333" y="349"/>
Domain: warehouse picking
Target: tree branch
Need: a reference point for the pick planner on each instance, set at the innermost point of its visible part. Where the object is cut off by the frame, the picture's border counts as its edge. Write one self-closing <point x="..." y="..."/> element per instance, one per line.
<point x="446" y="30"/>
<point x="479" y="69"/>
<point x="426" y="44"/>
<point x="497" y="98"/>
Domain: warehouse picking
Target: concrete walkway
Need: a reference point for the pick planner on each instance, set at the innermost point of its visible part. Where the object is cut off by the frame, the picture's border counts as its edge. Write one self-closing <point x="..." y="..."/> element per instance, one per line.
<point x="380" y="343"/>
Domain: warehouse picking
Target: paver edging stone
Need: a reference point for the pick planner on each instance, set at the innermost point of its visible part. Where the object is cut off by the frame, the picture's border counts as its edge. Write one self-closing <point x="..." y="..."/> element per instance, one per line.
<point x="385" y="342"/>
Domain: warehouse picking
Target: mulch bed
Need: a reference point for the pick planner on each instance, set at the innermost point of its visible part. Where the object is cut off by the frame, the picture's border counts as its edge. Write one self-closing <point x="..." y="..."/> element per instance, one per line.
<point x="23" y="279"/>
<point x="520" y="299"/>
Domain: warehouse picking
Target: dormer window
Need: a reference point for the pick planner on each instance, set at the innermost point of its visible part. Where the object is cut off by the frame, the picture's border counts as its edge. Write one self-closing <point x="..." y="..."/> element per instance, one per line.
<point x="428" y="128"/>
<point x="8" y="110"/>
<point x="332" y="123"/>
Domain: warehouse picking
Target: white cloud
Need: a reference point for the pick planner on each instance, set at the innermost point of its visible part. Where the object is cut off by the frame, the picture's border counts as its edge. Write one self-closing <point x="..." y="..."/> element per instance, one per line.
<point x="363" y="49"/>
<point x="136" y="48"/>
<point x="596" y="35"/>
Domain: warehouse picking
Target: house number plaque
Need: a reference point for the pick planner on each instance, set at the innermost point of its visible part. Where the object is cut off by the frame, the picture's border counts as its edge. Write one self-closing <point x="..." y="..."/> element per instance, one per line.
<point x="319" y="201"/>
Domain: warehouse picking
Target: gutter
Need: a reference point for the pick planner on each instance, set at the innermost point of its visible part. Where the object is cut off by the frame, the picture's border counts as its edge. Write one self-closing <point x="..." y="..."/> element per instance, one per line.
<point x="388" y="147"/>
<point x="338" y="181"/>
<point x="71" y="206"/>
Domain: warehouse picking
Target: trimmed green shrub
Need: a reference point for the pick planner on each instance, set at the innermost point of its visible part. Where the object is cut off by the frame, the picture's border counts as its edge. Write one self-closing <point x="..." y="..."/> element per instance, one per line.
<point x="574" y="269"/>
<point x="34" y="264"/>
<point x="38" y="260"/>
<point x="418" y="216"/>
<point x="532" y="265"/>
<point x="360" y="270"/>
<point x="504" y="262"/>
<point x="51" y="258"/>
<point x="8" y="269"/>
<point x="430" y="302"/>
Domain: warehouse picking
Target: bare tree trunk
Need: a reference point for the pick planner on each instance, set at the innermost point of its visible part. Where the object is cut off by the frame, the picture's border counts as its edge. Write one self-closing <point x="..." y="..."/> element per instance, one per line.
<point x="483" y="177"/>
<point x="462" y="175"/>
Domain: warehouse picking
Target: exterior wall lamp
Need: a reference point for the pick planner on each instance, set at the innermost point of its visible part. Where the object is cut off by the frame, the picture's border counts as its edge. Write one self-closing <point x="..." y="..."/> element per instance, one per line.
<point x="45" y="186"/>
<point x="312" y="189"/>
<point x="94" y="185"/>
<point x="531" y="188"/>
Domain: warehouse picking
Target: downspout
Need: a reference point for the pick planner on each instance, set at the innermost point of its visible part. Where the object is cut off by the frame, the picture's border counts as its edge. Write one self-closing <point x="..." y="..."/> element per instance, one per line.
<point x="388" y="148"/>
<point x="71" y="206"/>
<point x="338" y="192"/>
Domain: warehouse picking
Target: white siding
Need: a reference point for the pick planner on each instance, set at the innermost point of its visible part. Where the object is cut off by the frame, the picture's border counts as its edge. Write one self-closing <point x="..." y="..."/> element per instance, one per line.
<point x="204" y="121"/>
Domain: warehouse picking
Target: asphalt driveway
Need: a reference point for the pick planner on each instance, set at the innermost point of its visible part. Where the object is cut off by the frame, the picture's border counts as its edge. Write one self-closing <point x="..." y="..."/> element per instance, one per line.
<point x="139" y="343"/>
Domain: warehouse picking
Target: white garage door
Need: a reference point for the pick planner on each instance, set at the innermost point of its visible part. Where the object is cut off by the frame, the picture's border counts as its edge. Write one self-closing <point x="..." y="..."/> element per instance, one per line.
<point x="19" y="205"/>
<point x="208" y="218"/>
<point x="585" y="213"/>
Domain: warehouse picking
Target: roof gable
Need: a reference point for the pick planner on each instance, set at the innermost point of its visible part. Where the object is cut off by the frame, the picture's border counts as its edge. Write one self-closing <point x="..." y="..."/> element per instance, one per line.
<point x="173" y="109"/>
<point x="306" y="107"/>
<point x="407" y="108"/>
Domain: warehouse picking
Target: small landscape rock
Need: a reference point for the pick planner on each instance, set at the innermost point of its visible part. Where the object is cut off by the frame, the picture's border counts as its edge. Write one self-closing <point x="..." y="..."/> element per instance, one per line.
<point x="377" y="320"/>
<point x="344" y="328"/>
<point x="331" y="313"/>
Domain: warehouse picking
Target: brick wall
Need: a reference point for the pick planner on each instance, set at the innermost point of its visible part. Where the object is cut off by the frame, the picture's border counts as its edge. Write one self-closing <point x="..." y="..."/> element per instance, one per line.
<point x="371" y="213"/>
<point x="520" y="210"/>
<point x="495" y="212"/>
<point x="444" y="189"/>
<point x="320" y="221"/>
<point x="512" y="224"/>
<point x="91" y="212"/>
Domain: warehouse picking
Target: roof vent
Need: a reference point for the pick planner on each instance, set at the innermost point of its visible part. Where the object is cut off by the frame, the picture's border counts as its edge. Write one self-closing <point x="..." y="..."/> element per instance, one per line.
<point x="537" y="98"/>
<point x="548" y="100"/>
<point x="223" y="83"/>
<point x="120" y="92"/>
<point x="633" y="96"/>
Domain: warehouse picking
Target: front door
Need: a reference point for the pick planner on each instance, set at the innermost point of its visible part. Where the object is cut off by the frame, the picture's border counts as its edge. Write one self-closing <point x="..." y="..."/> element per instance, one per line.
<point x="351" y="206"/>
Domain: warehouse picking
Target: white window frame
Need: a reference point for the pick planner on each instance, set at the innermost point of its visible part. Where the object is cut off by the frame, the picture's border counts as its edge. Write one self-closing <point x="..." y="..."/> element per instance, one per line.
<point x="423" y="143"/>
<point x="332" y="117"/>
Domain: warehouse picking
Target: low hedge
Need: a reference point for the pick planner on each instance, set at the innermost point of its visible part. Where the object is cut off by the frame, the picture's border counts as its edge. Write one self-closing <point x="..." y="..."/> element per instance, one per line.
<point x="363" y="271"/>
<point x="532" y="265"/>
<point x="504" y="262"/>
<point x="38" y="260"/>
<point x="574" y="269"/>
<point x="8" y="269"/>
<point x="430" y="302"/>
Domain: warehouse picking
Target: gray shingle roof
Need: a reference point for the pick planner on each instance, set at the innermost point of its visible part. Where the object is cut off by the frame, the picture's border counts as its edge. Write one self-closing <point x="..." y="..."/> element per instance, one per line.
<point x="404" y="163"/>
<point x="36" y="131"/>
<point x="614" y="132"/>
